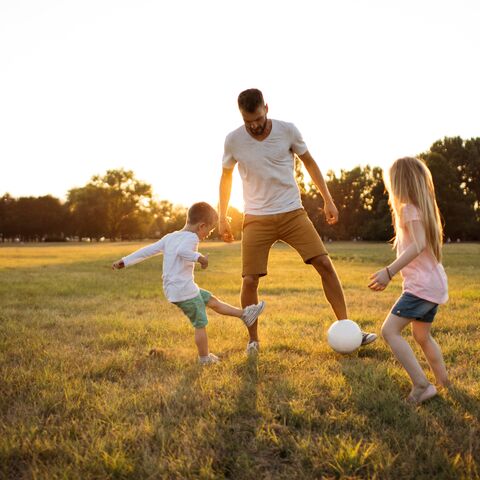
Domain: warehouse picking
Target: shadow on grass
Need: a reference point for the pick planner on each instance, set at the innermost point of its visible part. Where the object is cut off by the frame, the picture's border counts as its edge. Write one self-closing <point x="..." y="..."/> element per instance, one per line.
<point x="235" y="435"/>
<point x="438" y="439"/>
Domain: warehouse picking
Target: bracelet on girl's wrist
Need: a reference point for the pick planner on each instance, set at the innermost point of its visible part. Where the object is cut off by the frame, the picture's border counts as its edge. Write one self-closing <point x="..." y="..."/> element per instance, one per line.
<point x="390" y="276"/>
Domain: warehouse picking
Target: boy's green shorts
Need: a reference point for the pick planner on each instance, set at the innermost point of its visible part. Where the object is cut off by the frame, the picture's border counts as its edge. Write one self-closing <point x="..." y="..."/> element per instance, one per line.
<point x="195" y="310"/>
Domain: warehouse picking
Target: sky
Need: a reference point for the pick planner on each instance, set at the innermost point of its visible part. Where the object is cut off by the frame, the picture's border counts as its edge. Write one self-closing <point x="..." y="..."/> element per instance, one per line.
<point x="151" y="86"/>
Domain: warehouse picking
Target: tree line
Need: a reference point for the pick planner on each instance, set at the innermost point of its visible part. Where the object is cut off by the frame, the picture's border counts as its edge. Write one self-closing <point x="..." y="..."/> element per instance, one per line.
<point x="117" y="206"/>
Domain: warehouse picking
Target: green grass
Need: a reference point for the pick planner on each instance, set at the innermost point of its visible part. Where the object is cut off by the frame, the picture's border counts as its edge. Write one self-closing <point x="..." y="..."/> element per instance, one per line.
<point x="80" y="398"/>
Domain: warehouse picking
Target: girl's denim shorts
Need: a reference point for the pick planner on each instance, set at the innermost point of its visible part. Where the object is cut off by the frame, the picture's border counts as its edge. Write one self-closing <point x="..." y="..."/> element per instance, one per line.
<point x="411" y="306"/>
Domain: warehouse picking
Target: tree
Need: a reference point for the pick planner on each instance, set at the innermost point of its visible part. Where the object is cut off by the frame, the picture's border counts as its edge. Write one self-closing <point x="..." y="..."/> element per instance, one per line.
<point x="32" y="218"/>
<point x="113" y="205"/>
<point x="457" y="179"/>
<point x="7" y="227"/>
<point x="362" y="202"/>
<point x="465" y="157"/>
<point x="378" y="225"/>
<point x="167" y="218"/>
<point x="88" y="209"/>
<point x="456" y="204"/>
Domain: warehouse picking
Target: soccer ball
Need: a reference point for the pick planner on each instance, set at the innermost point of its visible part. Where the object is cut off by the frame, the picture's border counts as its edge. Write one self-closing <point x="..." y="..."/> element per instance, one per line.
<point x="344" y="336"/>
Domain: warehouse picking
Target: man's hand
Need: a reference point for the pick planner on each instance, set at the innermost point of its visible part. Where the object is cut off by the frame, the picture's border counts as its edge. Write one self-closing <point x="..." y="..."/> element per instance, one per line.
<point x="118" y="265"/>
<point x="379" y="280"/>
<point x="225" y="230"/>
<point x="331" y="212"/>
<point x="203" y="261"/>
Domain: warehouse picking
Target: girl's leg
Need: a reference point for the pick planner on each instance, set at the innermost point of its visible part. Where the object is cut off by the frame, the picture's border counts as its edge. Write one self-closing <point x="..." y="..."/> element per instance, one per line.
<point x="224" y="308"/>
<point x="391" y="332"/>
<point x="421" y="333"/>
<point x="201" y="341"/>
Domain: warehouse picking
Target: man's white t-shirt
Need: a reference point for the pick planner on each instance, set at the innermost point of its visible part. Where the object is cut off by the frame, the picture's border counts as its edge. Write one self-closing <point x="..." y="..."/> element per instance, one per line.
<point x="266" y="167"/>
<point x="179" y="257"/>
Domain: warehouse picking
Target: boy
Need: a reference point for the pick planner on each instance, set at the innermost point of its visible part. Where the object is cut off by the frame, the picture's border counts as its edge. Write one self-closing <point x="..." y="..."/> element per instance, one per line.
<point x="180" y="252"/>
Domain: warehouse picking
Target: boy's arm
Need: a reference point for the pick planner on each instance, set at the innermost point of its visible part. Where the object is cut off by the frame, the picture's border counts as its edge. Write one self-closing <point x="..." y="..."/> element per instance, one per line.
<point x="382" y="278"/>
<point x="118" y="265"/>
<point x="188" y="250"/>
<point x="143" y="253"/>
<point x="331" y="212"/>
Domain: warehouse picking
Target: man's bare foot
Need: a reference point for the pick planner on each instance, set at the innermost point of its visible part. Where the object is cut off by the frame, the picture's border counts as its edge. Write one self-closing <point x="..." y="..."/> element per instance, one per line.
<point x="421" y="394"/>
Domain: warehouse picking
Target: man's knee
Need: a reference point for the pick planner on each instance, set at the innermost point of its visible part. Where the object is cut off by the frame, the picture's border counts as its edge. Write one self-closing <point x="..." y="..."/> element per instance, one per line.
<point x="323" y="264"/>
<point x="250" y="282"/>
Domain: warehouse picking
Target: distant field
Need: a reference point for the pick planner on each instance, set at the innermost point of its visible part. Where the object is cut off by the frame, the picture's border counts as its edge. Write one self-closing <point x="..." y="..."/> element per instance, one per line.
<point x="80" y="398"/>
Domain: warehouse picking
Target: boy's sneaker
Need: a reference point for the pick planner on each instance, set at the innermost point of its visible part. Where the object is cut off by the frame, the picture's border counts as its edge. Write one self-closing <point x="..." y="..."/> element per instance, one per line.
<point x="253" y="348"/>
<point x="251" y="313"/>
<point x="208" y="360"/>
<point x="368" y="338"/>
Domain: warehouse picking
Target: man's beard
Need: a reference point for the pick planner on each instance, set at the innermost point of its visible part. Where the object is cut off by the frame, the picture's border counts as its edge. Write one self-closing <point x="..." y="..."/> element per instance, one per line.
<point x="259" y="130"/>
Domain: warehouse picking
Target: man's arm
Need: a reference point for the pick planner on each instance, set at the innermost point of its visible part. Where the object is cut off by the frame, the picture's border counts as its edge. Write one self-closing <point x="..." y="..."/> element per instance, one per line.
<point x="224" y="228"/>
<point x="331" y="212"/>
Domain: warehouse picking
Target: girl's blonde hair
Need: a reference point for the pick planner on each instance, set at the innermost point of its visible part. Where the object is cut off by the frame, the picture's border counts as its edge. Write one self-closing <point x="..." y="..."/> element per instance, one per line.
<point x="409" y="181"/>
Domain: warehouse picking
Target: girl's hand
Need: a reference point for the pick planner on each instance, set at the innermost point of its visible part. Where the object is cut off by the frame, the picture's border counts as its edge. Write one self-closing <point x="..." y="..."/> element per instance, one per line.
<point x="379" y="280"/>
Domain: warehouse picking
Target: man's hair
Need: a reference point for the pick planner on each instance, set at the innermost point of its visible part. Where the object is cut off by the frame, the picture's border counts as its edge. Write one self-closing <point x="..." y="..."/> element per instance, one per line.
<point x="249" y="100"/>
<point x="202" y="212"/>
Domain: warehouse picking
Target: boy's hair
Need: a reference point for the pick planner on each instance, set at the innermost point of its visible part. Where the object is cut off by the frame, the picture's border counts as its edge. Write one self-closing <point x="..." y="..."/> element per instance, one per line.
<point x="409" y="181"/>
<point x="202" y="212"/>
<point x="249" y="100"/>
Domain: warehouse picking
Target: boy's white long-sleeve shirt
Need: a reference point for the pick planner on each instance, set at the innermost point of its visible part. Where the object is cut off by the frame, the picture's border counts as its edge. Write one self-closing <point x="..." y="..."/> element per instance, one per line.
<point x="179" y="256"/>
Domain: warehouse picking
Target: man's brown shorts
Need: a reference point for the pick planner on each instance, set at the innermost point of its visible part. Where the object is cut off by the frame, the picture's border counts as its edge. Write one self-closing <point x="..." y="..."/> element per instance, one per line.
<point x="260" y="232"/>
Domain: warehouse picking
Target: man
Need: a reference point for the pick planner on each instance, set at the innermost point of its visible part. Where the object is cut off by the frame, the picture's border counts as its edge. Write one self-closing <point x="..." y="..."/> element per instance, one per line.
<point x="264" y="150"/>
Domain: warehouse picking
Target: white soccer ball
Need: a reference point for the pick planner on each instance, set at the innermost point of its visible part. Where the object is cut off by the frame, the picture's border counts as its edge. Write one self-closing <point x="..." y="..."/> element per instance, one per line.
<point x="344" y="336"/>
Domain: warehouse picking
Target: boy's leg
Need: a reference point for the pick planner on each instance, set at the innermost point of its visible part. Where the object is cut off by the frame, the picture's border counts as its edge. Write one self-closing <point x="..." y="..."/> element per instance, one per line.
<point x="201" y="340"/>
<point x="421" y="333"/>
<point x="249" y="315"/>
<point x="195" y="311"/>
<point x="224" y="308"/>
<point x="331" y="285"/>
<point x="392" y="333"/>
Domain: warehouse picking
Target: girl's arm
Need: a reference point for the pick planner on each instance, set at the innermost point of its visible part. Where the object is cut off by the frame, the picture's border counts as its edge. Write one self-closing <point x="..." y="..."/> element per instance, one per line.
<point x="381" y="279"/>
<point x="417" y="233"/>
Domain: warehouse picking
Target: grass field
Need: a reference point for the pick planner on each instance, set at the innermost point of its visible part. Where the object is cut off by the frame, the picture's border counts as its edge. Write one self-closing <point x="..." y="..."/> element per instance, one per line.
<point x="80" y="398"/>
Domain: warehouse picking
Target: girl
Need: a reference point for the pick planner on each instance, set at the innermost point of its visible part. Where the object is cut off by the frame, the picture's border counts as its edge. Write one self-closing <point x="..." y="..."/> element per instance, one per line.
<point x="418" y="240"/>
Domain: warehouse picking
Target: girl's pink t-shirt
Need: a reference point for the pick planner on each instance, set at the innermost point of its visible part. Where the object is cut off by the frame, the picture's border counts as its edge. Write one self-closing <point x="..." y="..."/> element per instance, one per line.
<point x="423" y="277"/>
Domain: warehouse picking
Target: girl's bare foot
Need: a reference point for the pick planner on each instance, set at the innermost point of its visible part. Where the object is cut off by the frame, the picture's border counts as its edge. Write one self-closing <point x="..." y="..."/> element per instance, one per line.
<point x="157" y="352"/>
<point x="421" y="394"/>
